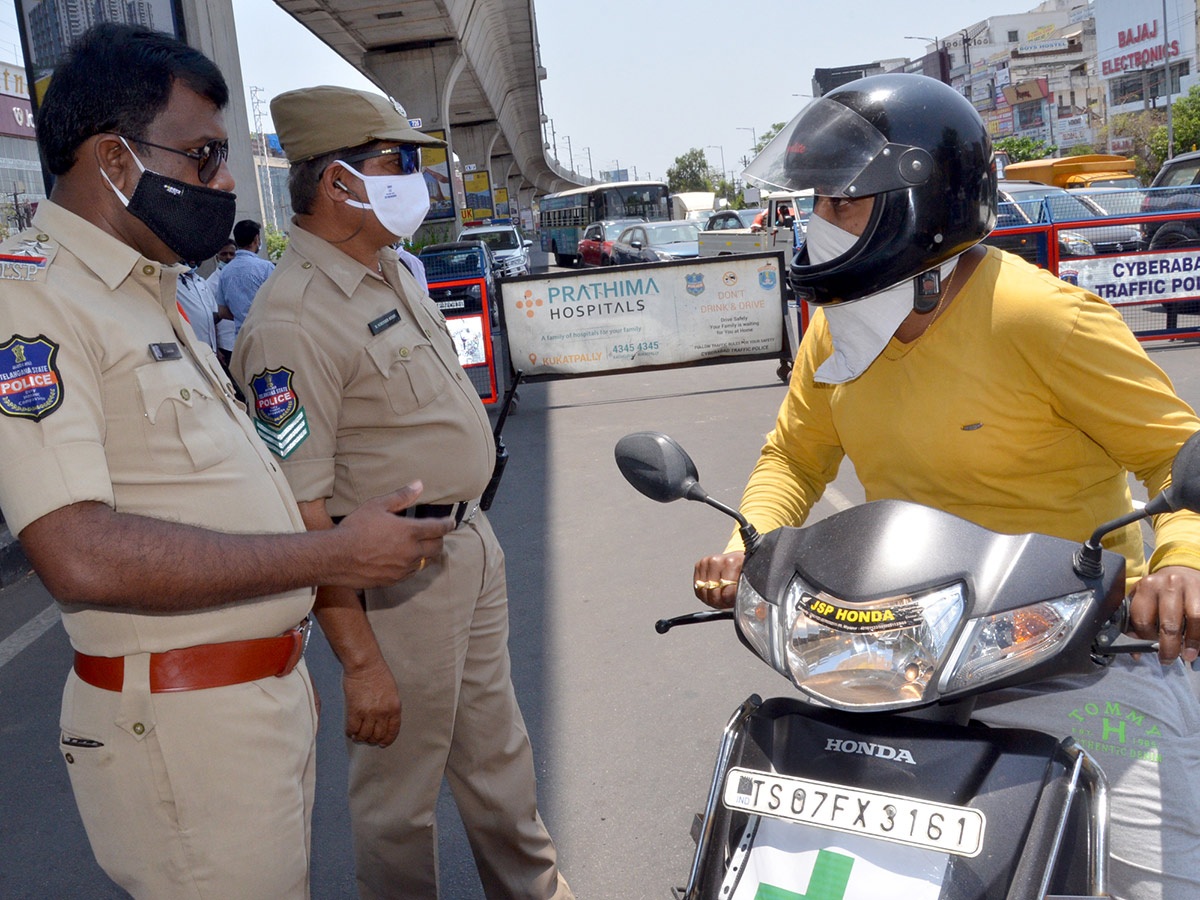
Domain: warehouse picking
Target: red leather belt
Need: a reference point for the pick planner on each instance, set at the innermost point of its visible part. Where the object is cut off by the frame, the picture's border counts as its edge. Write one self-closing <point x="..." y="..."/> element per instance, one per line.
<point x="205" y="666"/>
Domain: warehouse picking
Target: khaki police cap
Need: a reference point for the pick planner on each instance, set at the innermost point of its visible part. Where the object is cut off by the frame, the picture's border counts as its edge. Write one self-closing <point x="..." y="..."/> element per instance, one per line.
<point x="317" y="120"/>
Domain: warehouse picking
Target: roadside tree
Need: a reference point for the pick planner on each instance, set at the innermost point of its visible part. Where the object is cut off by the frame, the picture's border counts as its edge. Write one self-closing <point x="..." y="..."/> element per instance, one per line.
<point x="1020" y="148"/>
<point x="691" y="172"/>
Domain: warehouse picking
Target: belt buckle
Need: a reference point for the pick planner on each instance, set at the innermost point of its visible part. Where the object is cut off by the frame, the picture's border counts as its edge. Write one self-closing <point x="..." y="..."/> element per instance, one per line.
<point x="300" y="635"/>
<point x="474" y="505"/>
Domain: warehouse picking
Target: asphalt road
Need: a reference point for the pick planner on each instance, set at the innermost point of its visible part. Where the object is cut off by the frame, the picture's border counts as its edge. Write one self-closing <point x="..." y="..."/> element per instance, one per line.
<point x="624" y="722"/>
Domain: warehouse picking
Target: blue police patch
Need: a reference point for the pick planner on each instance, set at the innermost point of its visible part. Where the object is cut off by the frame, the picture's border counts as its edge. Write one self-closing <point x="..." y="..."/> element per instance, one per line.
<point x="767" y="279"/>
<point x="694" y="284"/>
<point x="30" y="385"/>
<point x="279" y="417"/>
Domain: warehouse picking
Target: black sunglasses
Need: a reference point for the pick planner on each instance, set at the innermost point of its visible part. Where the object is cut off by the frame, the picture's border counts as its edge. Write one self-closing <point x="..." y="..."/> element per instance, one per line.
<point x="409" y="155"/>
<point x="208" y="158"/>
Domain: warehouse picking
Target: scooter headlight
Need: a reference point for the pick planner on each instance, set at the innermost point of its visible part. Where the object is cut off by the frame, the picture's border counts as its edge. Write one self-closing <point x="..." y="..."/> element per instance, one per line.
<point x="876" y="655"/>
<point x="995" y="647"/>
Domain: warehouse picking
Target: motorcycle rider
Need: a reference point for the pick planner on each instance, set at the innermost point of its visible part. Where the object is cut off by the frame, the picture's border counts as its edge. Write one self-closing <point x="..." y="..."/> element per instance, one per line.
<point x="963" y="378"/>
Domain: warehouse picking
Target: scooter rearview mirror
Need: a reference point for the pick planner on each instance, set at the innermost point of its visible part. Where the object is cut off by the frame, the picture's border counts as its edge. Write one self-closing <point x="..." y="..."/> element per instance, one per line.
<point x="658" y="467"/>
<point x="1184" y="491"/>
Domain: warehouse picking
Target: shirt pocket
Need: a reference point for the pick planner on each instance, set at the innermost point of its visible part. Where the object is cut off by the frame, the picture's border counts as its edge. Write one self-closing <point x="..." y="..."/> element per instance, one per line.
<point x="412" y="374"/>
<point x="186" y="426"/>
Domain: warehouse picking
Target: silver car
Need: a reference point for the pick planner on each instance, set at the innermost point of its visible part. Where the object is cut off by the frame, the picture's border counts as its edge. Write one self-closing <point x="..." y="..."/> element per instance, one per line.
<point x="509" y="250"/>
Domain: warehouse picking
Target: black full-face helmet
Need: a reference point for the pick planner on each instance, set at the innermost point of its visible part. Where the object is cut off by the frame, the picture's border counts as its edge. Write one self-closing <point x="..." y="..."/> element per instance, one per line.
<point x="916" y="145"/>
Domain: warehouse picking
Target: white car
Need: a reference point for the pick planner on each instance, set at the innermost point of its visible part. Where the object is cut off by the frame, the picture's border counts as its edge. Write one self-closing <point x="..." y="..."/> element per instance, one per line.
<point x="509" y="250"/>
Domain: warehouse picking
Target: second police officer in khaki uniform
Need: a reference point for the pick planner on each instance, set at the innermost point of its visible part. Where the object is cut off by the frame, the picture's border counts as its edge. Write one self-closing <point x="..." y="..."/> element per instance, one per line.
<point x="356" y="386"/>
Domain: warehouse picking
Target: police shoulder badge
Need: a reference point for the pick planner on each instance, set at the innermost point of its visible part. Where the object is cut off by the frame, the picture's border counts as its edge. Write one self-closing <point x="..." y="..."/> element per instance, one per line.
<point x="30" y="385"/>
<point x="278" y="416"/>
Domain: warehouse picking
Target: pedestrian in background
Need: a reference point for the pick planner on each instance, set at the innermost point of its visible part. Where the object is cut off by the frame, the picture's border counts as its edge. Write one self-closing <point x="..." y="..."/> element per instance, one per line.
<point x="375" y="397"/>
<point x="147" y="504"/>
<point x="199" y="306"/>
<point x="243" y="275"/>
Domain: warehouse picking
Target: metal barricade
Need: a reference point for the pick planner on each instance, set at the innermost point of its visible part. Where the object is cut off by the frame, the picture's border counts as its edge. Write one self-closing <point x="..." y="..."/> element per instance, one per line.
<point x="1137" y="249"/>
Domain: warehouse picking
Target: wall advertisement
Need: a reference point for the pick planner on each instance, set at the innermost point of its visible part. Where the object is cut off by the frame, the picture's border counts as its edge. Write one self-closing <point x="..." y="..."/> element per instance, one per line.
<point x="655" y="314"/>
<point x="1130" y="34"/>
<point x="478" y="187"/>
<point x="436" y="170"/>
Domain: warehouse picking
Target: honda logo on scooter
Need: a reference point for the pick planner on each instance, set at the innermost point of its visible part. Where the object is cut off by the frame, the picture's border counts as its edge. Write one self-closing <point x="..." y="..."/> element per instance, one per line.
<point x="882" y="751"/>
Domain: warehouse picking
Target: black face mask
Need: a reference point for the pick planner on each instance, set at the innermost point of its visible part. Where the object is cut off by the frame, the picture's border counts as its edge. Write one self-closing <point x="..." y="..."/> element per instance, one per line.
<point x="191" y="219"/>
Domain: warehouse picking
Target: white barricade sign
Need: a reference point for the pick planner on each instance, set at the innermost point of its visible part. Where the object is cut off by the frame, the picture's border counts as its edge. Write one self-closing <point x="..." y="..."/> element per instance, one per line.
<point x="1144" y="276"/>
<point x="660" y="314"/>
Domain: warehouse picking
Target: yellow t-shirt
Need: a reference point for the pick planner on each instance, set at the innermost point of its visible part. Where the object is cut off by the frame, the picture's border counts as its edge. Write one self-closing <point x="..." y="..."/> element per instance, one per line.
<point x="1021" y="408"/>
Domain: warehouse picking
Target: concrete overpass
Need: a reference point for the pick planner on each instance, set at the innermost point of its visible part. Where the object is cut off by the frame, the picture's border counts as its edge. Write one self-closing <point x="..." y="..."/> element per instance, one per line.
<point x="470" y="67"/>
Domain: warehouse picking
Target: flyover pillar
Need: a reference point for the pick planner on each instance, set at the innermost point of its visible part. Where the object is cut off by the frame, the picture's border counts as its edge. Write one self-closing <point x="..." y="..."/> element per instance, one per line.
<point x="209" y="27"/>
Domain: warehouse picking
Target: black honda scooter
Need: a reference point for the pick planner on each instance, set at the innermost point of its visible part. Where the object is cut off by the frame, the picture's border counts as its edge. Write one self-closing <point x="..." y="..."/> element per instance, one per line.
<point x="889" y="618"/>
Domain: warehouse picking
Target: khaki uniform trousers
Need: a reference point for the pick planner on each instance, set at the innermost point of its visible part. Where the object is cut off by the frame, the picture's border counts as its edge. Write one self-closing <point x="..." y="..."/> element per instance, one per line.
<point x="195" y="795"/>
<point x="444" y="634"/>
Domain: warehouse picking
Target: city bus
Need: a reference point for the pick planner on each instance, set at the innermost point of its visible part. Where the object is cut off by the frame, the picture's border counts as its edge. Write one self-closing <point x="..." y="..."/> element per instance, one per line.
<point x="564" y="216"/>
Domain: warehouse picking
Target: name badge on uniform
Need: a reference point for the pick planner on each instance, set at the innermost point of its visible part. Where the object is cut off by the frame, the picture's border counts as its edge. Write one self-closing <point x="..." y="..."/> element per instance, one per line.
<point x="387" y="320"/>
<point x="166" y="350"/>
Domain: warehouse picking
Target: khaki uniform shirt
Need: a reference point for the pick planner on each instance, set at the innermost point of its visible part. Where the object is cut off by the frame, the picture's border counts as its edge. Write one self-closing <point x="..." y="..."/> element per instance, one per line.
<point x="106" y="395"/>
<point x="356" y="383"/>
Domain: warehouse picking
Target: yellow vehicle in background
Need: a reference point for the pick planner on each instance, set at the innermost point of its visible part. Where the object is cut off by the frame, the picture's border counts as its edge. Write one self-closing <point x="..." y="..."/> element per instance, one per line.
<point x="1095" y="170"/>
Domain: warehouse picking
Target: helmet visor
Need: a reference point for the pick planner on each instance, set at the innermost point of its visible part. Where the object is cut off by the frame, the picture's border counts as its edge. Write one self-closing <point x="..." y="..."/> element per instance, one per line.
<point x="834" y="151"/>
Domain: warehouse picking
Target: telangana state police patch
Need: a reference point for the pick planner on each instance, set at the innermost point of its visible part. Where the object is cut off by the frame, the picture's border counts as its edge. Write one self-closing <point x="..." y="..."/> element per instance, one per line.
<point x="279" y="417"/>
<point x="30" y="386"/>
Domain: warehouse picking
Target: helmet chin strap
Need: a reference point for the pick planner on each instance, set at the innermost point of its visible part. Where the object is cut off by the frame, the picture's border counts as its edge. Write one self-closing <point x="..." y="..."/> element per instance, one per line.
<point x="927" y="290"/>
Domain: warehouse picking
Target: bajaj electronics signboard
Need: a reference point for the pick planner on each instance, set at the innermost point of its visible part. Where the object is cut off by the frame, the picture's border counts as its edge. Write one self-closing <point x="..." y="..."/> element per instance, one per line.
<point x="1130" y="35"/>
<point x="656" y="314"/>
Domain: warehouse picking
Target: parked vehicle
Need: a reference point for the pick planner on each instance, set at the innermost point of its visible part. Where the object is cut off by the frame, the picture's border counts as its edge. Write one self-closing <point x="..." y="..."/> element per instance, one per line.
<point x="732" y="218"/>
<point x="462" y="278"/>
<point x="1094" y="170"/>
<point x="595" y="247"/>
<point x="1176" y="188"/>
<point x="691" y="204"/>
<point x="509" y="250"/>
<point x="655" y="241"/>
<point x="888" y="619"/>
<point x="1034" y="203"/>
<point x="781" y="229"/>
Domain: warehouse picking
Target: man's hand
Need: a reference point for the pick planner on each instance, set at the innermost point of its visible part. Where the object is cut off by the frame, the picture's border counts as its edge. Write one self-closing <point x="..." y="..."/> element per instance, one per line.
<point x="1165" y="606"/>
<point x="383" y="547"/>
<point x="716" y="578"/>
<point x="372" y="704"/>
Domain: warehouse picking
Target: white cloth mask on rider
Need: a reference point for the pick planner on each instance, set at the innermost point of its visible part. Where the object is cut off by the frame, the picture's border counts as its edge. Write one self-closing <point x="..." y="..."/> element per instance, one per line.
<point x="399" y="202"/>
<point x="860" y="329"/>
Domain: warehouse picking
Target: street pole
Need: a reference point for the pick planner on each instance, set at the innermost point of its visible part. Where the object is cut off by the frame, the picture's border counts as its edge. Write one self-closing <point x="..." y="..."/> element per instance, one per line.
<point x="753" y="136"/>
<point x="1167" y="80"/>
<point x="570" y="153"/>
<point x="591" y="177"/>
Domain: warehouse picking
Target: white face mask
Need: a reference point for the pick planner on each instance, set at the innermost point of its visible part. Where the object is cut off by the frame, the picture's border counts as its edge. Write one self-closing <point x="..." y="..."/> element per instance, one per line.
<point x="399" y="202"/>
<point x="860" y="329"/>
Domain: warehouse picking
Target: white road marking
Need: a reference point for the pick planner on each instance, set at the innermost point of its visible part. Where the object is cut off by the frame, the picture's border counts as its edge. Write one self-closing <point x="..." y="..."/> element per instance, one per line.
<point x="27" y="633"/>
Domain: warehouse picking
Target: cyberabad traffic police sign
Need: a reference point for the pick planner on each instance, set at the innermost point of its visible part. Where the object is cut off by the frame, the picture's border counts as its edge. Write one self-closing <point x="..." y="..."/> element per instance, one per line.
<point x="656" y="314"/>
<point x="1138" y="277"/>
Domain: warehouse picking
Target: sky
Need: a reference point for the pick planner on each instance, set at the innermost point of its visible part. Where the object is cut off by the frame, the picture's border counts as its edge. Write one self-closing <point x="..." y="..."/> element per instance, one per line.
<point x="639" y="83"/>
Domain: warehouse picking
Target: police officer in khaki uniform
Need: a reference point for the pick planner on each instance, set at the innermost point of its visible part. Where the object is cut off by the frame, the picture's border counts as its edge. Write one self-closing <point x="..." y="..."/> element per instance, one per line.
<point x="146" y="502"/>
<point x="357" y="388"/>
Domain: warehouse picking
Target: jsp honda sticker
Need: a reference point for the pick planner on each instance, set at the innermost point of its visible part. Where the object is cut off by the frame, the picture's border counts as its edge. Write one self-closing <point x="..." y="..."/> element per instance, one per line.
<point x="858" y="620"/>
<point x="30" y="385"/>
